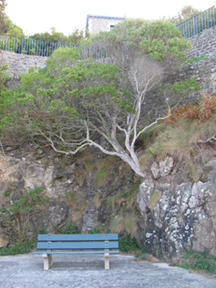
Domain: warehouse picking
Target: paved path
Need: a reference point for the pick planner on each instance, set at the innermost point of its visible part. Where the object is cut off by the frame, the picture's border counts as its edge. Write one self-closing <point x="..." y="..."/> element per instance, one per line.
<point x="26" y="271"/>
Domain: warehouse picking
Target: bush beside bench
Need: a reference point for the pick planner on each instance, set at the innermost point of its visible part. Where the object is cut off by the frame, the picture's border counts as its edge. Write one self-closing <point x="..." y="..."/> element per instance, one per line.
<point x="49" y="244"/>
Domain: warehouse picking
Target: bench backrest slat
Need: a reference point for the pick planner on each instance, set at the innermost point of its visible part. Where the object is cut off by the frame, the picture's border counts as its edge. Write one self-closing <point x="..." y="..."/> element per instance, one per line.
<point x="77" y="245"/>
<point x="78" y="237"/>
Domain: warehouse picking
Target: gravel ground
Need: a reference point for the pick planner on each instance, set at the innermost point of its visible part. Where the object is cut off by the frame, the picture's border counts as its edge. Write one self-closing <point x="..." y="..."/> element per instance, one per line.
<point x="26" y="271"/>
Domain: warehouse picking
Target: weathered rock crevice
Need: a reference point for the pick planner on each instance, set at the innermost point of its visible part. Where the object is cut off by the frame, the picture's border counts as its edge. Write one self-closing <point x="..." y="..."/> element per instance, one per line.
<point x="177" y="217"/>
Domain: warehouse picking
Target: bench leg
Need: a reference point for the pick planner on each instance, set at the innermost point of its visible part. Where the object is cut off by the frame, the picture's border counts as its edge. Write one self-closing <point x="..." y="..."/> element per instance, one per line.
<point x="47" y="261"/>
<point x="106" y="256"/>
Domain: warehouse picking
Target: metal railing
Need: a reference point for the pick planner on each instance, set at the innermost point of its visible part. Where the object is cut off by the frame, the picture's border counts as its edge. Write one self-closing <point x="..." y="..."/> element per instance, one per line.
<point x="198" y="23"/>
<point x="30" y="46"/>
<point x="189" y="28"/>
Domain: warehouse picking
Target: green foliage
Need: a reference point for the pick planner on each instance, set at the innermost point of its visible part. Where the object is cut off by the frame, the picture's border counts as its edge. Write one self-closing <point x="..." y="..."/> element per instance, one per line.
<point x="159" y="39"/>
<point x="115" y="200"/>
<point x="75" y="38"/>
<point x="129" y="198"/>
<point x="46" y="100"/>
<point x="3" y="76"/>
<point x="18" y="248"/>
<point x="69" y="228"/>
<point x="70" y="103"/>
<point x="176" y="92"/>
<point x="12" y="29"/>
<point x="163" y="40"/>
<point x="127" y="243"/>
<point x="199" y="261"/>
<point x="185" y="86"/>
<point x="6" y="25"/>
<point x="194" y="21"/>
<point x="54" y="36"/>
<point x="184" y="14"/>
<point x="197" y="59"/>
<point x="101" y="176"/>
<point x="15" y="215"/>
<point x="103" y="165"/>
<point x="95" y="230"/>
<point x="63" y="57"/>
<point x="123" y="206"/>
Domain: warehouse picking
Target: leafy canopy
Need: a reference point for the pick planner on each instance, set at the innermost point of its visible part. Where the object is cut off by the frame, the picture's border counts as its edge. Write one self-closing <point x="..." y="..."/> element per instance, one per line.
<point x="159" y="40"/>
<point x="71" y="104"/>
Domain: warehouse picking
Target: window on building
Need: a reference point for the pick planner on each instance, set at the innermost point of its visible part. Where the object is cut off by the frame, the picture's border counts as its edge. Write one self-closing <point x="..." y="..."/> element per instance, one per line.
<point x="112" y="26"/>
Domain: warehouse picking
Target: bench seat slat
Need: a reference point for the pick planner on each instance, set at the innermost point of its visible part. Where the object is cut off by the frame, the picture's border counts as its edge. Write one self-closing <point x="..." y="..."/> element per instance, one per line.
<point x="77" y="245"/>
<point x="78" y="237"/>
<point x="76" y="252"/>
<point x="49" y="244"/>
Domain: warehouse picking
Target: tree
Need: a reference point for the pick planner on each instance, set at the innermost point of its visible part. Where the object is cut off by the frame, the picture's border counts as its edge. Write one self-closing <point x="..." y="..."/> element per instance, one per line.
<point x="184" y="14"/>
<point x="12" y="29"/>
<point x="3" y="26"/>
<point x="80" y="103"/>
<point x="6" y="25"/>
<point x="75" y="38"/>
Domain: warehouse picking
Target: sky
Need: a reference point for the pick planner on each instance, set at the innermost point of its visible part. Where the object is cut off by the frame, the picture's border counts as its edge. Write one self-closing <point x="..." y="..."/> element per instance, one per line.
<point x="38" y="16"/>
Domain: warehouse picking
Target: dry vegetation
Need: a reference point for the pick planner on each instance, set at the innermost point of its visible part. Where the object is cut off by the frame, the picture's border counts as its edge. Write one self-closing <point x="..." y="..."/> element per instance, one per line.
<point x="182" y="134"/>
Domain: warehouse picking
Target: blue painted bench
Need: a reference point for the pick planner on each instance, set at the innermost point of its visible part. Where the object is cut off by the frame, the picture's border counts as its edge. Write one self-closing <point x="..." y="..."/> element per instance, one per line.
<point x="49" y="244"/>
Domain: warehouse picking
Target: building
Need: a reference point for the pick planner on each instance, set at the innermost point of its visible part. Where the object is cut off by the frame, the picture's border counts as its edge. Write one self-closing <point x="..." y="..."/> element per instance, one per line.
<point x="95" y="24"/>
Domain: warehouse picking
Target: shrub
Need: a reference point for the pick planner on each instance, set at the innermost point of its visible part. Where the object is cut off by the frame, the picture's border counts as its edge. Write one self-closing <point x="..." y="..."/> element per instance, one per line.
<point x="16" y="215"/>
<point x="202" y="111"/>
<point x="18" y="248"/>
<point x="127" y="243"/>
<point x="199" y="261"/>
<point x="69" y="228"/>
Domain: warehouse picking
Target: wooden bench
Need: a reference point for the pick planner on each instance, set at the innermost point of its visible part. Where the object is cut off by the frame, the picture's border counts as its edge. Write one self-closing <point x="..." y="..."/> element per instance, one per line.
<point x="49" y="244"/>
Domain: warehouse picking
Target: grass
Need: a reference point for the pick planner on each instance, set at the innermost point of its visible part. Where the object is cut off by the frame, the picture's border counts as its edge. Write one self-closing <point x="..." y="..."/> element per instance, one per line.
<point x="131" y="196"/>
<point x="126" y="223"/>
<point x="18" y="248"/>
<point x="77" y="212"/>
<point x="116" y="200"/>
<point x="128" y="198"/>
<point x="127" y="243"/>
<point x="101" y="176"/>
<point x="179" y="139"/>
<point x="199" y="261"/>
<point x="154" y="199"/>
<point x="70" y="198"/>
<point x="123" y="206"/>
<point x="86" y="157"/>
<point x="96" y="200"/>
<point x="103" y="165"/>
<point x="130" y="222"/>
<point x="117" y="224"/>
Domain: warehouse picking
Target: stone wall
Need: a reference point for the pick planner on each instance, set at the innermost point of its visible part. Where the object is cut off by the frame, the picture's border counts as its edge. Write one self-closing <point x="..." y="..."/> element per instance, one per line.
<point x="20" y="63"/>
<point x="203" y="43"/>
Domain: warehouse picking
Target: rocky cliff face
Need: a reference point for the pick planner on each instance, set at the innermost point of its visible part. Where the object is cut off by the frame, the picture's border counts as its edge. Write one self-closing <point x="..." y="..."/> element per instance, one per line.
<point x="70" y="185"/>
<point x="168" y="213"/>
<point x="177" y="213"/>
